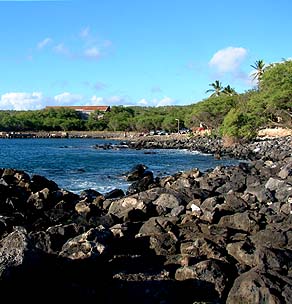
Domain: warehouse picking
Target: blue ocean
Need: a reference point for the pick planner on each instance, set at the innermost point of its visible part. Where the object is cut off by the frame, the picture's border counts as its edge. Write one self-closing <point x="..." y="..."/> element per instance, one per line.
<point x="75" y="164"/>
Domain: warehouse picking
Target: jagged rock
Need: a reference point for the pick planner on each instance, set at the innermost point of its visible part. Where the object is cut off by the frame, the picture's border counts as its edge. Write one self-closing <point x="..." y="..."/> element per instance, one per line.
<point x="121" y="207"/>
<point x="242" y="251"/>
<point x="14" y="250"/>
<point x="59" y="234"/>
<point x="116" y="193"/>
<point x="261" y="193"/>
<point x="41" y="199"/>
<point x="193" y="234"/>
<point x="256" y="287"/>
<point x="89" y="245"/>
<point x="216" y="273"/>
<point x="164" y="243"/>
<point x="276" y="259"/>
<point x="210" y="208"/>
<point x="203" y="248"/>
<point x="82" y="207"/>
<point x="39" y="182"/>
<point x="136" y="173"/>
<point x="240" y="221"/>
<point x="157" y="225"/>
<point x="271" y="237"/>
<point x="89" y="195"/>
<point x="141" y="185"/>
<point x="233" y="203"/>
<point x="286" y="171"/>
<point x="168" y="201"/>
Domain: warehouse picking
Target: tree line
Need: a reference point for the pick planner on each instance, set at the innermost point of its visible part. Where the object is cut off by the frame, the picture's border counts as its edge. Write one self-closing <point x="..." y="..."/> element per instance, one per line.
<point x="139" y="119"/>
<point x="225" y="112"/>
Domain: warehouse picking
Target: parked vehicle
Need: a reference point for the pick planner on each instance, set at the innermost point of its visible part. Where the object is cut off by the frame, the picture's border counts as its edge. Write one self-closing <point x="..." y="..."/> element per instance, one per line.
<point x="184" y="131"/>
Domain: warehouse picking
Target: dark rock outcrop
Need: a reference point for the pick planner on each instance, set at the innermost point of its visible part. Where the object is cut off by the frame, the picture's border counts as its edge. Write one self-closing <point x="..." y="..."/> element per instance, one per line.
<point x="222" y="236"/>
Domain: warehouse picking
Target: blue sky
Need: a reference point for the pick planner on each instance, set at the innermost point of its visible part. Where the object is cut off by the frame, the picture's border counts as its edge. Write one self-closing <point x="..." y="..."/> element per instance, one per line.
<point x="134" y="52"/>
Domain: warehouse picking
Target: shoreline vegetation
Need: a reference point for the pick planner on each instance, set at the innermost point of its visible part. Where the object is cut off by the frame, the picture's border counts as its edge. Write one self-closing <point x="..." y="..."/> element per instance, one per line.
<point x="222" y="236"/>
<point x="122" y="135"/>
<point x="225" y="113"/>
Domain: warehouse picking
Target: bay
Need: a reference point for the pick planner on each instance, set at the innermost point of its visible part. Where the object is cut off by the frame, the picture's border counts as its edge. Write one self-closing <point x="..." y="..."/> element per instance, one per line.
<point x="75" y="165"/>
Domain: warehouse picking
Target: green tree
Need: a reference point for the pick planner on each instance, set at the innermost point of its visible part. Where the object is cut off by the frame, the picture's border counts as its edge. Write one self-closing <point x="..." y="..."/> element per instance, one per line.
<point x="96" y="121"/>
<point x="239" y="124"/>
<point x="276" y="92"/>
<point x="229" y="91"/>
<point x="120" y="118"/>
<point x="212" y="111"/>
<point x="170" y="124"/>
<point x="143" y="123"/>
<point x="259" y="67"/>
<point x="216" y="88"/>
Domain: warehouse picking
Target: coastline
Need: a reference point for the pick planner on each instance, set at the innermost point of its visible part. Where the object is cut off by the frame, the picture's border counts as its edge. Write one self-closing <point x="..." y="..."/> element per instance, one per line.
<point x="206" y="236"/>
<point x="260" y="147"/>
<point x="118" y="135"/>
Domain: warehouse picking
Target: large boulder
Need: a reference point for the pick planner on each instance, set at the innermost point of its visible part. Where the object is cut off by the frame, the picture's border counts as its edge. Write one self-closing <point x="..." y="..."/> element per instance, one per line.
<point x="256" y="287"/>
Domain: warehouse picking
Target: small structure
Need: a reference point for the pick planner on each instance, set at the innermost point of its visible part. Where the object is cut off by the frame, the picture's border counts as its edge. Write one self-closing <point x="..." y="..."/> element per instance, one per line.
<point x="84" y="110"/>
<point x="202" y="127"/>
<point x="202" y="130"/>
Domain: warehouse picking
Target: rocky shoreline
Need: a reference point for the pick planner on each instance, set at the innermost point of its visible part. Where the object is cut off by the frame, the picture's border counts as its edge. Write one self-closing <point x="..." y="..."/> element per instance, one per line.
<point x="223" y="236"/>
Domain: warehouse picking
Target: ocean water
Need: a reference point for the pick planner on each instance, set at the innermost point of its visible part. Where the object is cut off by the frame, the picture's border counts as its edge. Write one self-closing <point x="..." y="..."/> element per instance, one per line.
<point x="75" y="165"/>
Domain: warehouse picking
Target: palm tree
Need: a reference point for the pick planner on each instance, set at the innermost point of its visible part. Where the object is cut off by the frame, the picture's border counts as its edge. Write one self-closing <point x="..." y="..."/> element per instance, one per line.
<point x="259" y="67"/>
<point x="229" y="91"/>
<point x="216" y="88"/>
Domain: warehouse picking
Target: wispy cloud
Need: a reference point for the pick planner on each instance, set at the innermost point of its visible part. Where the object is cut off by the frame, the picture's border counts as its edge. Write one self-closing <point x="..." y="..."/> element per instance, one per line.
<point x="67" y="98"/>
<point x="44" y="43"/>
<point x="99" y="86"/>
<point x="92" y="53"/>
<point x="86" y="45"/>
<point x="85" y="32"/>
<point x="228" y="59"/>
<point x="61" y="49"/>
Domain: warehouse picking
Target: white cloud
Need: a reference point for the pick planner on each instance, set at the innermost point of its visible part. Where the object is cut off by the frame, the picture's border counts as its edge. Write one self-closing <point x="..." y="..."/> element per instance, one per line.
<point x="109" y="101"/>
<point x="36" y="100"/>
<point x="44" y="43"/>
<point x="67" y="98"/>
<point x="143" y="102"/>
<point x="22" y="101"/>
<point x="61" y="49"/>
<point x="228" y="59"/>
<point x="95" y="101"/>
<point x="166" y="101"/>
<point x="92" y="53"/>
<point x="117" y="100"/>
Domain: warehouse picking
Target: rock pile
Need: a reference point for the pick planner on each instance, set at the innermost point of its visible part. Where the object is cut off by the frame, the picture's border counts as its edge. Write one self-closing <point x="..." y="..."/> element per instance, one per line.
<point x="275" y="148"/>
<point x="223" y="236"/>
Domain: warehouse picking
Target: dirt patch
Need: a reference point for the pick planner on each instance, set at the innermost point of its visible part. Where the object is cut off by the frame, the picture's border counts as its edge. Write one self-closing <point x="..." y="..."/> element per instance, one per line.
<point x="275" y="132"/>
